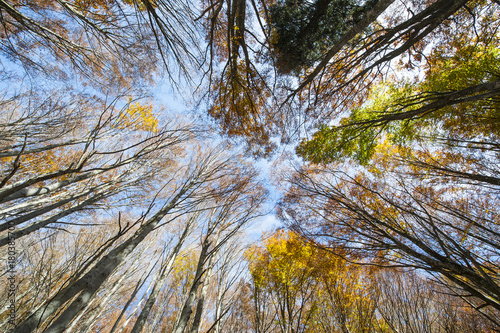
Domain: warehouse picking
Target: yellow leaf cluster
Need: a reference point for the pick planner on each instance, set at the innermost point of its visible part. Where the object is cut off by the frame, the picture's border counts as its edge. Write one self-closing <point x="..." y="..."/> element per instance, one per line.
<point x="139" y="117"/>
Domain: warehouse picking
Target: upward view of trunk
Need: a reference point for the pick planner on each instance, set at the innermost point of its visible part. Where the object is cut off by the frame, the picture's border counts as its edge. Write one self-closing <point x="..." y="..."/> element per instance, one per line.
<point x="160" y="280"/>
<point x="201" y="299"/>
<point x="201" y="271"/>
<point x="86" y="286"/>
<point x="249" y="166"/>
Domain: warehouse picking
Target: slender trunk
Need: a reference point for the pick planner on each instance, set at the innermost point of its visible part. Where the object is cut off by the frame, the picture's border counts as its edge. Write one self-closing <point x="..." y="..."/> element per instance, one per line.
<point x="26" y="217"/>
<point x="223" y="305"/>
<point x="87" y="285"/>
<point x="187" y="308"/>
<point x="8" y="192"/>
<point x="139" y="324"/>
<point x="130" y="317"/>
<point x="201" y="299"/>
<point x="22" y="192"/>
<point x="18" y="233"/>
<point x="138" y="286"/>
<point x="219" y="306"/>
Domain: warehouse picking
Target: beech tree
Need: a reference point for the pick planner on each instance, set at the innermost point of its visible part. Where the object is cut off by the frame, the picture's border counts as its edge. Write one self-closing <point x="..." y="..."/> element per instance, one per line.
<point x="459" y="90"/>
<point x="412" y="302"/>
<point x="194" y="187"/>
<point x="238" y="91"/>
<point x="228" y="272"/>
<point x="117" y="215"/>
<point x="108" y="44"/>
<point x="360" y="47"/>
<point x="407" y="175"/>
<point x="49" y="174"/>
<point x="402" y="223"/>
<point x="309" y="289"/>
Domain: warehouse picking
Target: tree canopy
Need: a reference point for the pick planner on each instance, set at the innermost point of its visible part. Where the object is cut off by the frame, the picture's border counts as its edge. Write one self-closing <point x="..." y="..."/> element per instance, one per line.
<point x="379" y="123"/>
<point x="303" y="31"/>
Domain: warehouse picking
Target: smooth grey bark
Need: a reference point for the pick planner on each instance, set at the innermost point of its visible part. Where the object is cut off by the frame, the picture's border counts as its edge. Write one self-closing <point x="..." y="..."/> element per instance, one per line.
<point x="12" y="152"/>
<point x="96" y="190"/>
<point x="30" y="204"/>
<point x="18" y="233"/>
<point x="145" y="147"/>
<point x="201" y="298"/>
<point x="218" y="309"/>
<point x="99" y="192"/>
<point x="10" y="191"/>
<point x="87" y="285"/>
<point x="165" y="269"/>
<point x="187" y="308"/>
<point x="102" y="302"/>
<point x="136" y="308"/>
<point x="130" y="271"/>
<point x="20" y="191"/>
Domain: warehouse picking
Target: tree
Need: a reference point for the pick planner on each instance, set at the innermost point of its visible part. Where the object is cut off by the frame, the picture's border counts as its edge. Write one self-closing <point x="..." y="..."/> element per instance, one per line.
<point x="163" y="273"/>
<point x="428" y="148"/>
<point x="309" y="289"/>
<point x="231" y="290"/>
<point x="240" y="94"/>
<point x="303" y="31"/>
<point x="237" y="87"/>
<point x="284" y="268"/>
<point x="211" y="177"/>
<point x="398" y="222"/>
<point x="109" y="44"/>
<point x="459" y="91"/>
<point x="412" y="302"/>
<point x="116" y="216"/>
<point x="53" y="166"/>
<point x="222" y="223"/>
<point x="336" y="74"/>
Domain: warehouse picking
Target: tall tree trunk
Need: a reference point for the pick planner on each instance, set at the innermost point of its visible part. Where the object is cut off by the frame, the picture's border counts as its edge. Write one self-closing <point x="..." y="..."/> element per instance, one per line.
<point x="102" y="302"/>
<point x="201" y="299"/>
<point x="187" y="308"/>
<point x="165" y="269"/>
<point x="87" y="285"/>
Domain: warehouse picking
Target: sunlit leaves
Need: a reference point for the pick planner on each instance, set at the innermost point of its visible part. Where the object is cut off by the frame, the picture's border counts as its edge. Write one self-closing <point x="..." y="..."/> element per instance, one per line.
<point x="329" y="145"/>
<point x="313" y="290"/>
<point x="455" y="100"/>
<point x="139" y="117"/>
<point x="284" y="260"/>
<point x="239" y="104"/>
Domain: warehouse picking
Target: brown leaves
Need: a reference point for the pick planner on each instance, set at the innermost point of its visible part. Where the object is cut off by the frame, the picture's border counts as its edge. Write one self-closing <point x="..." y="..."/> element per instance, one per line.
<point x="240" y="98"/>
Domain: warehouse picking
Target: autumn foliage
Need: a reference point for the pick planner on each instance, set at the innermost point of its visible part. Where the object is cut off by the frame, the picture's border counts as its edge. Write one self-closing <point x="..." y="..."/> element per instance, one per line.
<point x="134" y="193"/>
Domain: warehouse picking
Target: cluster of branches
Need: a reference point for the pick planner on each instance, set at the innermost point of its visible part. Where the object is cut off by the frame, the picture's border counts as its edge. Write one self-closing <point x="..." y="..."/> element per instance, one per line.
<point x="255" y="99"/>
<point x="106" y="43"/>
<point x="90" y="188"/>
<point x="298" y="287"/>
<point x="405" y="216"/>
<point x="70" y="160"/>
